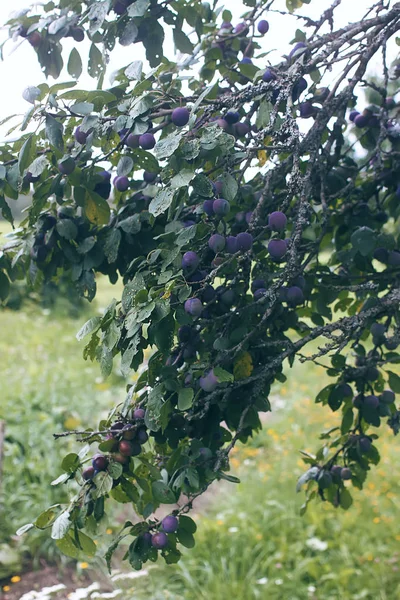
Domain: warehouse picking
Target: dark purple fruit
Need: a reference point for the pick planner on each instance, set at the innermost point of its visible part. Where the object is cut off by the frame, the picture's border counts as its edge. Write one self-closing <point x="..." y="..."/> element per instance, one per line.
<point x="190" y="260"/>
<point x="88" y="473"/>
<point x="346" y="474"/>
<point x="353" y="114"/>
<point x="99" y="462"/>
<point x="361" y="121"/>
<point x="66" y="166"/>
<point x="149" y="177"/>
<point x="294" y="296"/>
<point x="77" y="33"/>
<point x="244" y="241"/>
<point x="231" y="244"/>
<point x="394" y="258"/>
<point x="263" y="27"/>
<point x="121" y="183"/>
<point x="142" y="436"/>
<point x="127" y="448"/>
<point x="180" y="117"/>
<point x="296" y="49"/>
<point x="35" y="39"/>
<point x="277" y="220"/>
<point x="208" y="207"/>
<point x="268" y="76"/>
<point x="147" y="141"/>
<point x="216" y="243"/>
<point x="139" y="414"/>
<point x="81" y="136"/>
<point x="170" y="524"/>
<point x="371" y="401"/>
<point x="241" y="129"/>
<point x="221" y="207"/>
<point x="307" y="110"/>
<point x="365" y="444"/>
<point x="193" y="307"/>
<point x="132" y="140"/>
<point x="277" y="249"/>
<point x="232" y="117"/>
<point x="159" y="540"/>
<point x="208" y="382"/>
<point x="259" y="293"/>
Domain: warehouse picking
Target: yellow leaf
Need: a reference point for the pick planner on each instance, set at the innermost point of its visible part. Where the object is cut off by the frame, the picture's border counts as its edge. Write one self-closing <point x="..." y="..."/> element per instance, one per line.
<point x="262" y="157"/>
<point x="243" y="366"/>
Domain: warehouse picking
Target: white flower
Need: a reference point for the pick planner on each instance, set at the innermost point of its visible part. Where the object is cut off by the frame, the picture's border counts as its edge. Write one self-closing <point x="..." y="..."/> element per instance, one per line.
<point x="262" y="581"/>
<point x="315" y="543"/>
<point x="233" y="529"/>
<point x="278" y="581"/>
<point x="312" y="589"/>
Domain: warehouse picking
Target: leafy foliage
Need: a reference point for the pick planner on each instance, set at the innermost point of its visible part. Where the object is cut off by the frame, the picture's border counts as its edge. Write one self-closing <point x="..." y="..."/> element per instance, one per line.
<point x="245" y="239"/>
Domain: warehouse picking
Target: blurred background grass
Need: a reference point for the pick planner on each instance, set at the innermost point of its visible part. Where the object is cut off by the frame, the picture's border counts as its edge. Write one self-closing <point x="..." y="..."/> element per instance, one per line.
<point x="251" y="541"/>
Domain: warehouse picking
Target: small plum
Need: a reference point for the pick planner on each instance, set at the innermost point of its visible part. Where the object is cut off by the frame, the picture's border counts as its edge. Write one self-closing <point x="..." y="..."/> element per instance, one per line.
<point x="146" y="537"/>
<point x="35" y="39"/>
<point x="241" y="129"/>
<point x="336" y="472"/>
<point x="299" y="281"/>
<point x="88" y="473"/>
<point x="277" y="220"/>
<point x="226" y="25"/>
<point x="345" y="390"/>
<point x="240" y="28"/>
<point x="232" y="117"/>
<point x="387" y="397"/>
<point x="263" y="27"/>
<point x="244" y="241"/>
<point x="149" y="177"/>
<point x="208" y="382"/>
<point x="159" y="540"/>
<point x="99" y="462"/>
<point x="307" y="110"/>
<point x="358" y="401"/>
<point x="231" y="244"/>
<point x="381" y="254"/>
<point x="299" y="87"/>
<point x="378" y="331"/>
<point x="365" y="444"/>
<point x="147" y="141"/>
<point x="77" y="33"/>
<point x="346" y="474"/>
<point x="257" y="284"/>
<point x="371" y="401"/>
<point x="297" y="49"/>
<point x="66" y="166"/>
<point x="268" y="76"/>
<point x="81" y="136"/>
<point x="121" y="183"/>
<point x="353" y="114"/>
<point x="208" y="294"/>
<point x="132" y="140"/>
<point x="391" y="344"/>
<point x="221" y="207"/>
<point x="216" y="243"/>
<point x="218" y="185"/>
<point x="185" y="333"/>
<point x="190" y="260"/>
<point x="372" y="374"/>
<point x="394" y="258"/>
<point x="277" y="249"/>
<point x="142" y="436"/>
<point x="208" y="207"/>
<point x="193" y="307"/>
<point x="170" y="524"/>
<point x="139" y="414"/>
<point x="361" y="121"/>
<point x="228" y="297"/>
<point x="180" y="116"/>
<point x="223" y="124"/>
<point x="248" y="216"/>
<point x="127" y="448"/>
<point x="294" y="295"/>
<point x="246" y="60"/>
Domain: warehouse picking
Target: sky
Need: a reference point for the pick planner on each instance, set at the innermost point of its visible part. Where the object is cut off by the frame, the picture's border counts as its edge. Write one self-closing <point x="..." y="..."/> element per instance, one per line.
<point x="21" y="69"/>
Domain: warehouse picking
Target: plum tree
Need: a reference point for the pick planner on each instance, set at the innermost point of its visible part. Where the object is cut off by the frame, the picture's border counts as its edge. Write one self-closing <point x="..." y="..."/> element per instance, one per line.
<point x="246" y="236"/>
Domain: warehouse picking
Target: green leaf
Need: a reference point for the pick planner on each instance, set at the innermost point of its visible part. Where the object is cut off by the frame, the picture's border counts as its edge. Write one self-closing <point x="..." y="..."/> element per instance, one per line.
<point x="103" y="482"/>
<point x="202" y="186"/>
<point x="129" y="34"/>
<point x="115" y="469"/>
<point x="185" y="538"/>
<point x="92" y="325"/>
<point x="54" y="133"/>
<point x="68" y="546"/>
<point x="187" y="523"/>
<point x="347" y="421"/>
<point x="162" y="201"/>
<point x="46" y="517"/>
<point x="223" y="375"/>
<point x="167" y="146"/>
<point x="345" y="499"/>
<point x="182" y="42"/>
<point x="138" y="9"/>
<point x="67" y="229"/>
<point x="363" y="240"/>
<point x="182" y="179"/>
<point x="24" y="529"/>
<point x="27" y="153"/>
<point x="96" y="208"/>
<point x="134" y="70"/>
<point x="162" y="493"/>
<point x="38" y="166"/>
<point x="185" y="398"/>
<point x="125" y="166"/>
<point x="61" y="526"/>
<point x="229" y="187"/>
<point x="87" y="544"/>
<point x="70" y="463"/>
<point x="307" y="476"/>
<point x="95" y="64"/>
<point x="82" y="108"/>
<point x="111" y="246"/>
<point x="61" y="479"/>
<point x="74" y="65"/>
<point x="394" y="382"/>
<point x="4" y="286"/>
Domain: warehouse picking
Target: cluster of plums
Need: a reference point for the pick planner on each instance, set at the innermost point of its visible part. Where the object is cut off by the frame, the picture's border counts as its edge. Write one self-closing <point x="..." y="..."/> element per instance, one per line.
<point x="375" y="402"/>
<point x="129" y="439"/>
<point x="368" y="118"/>
<point x="35" y="38"/>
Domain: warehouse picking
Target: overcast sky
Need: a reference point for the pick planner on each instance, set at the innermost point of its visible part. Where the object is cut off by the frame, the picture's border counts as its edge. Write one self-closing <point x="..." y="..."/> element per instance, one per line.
<point x="21" y="68"/>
